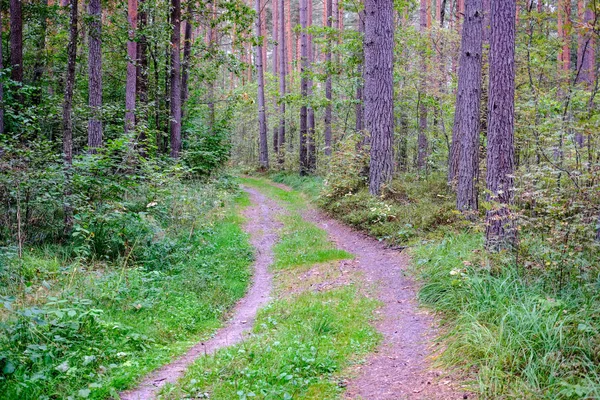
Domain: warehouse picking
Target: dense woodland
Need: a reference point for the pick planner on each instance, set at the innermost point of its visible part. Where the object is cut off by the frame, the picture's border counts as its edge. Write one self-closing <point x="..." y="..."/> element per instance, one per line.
<point x="418" y="121"/>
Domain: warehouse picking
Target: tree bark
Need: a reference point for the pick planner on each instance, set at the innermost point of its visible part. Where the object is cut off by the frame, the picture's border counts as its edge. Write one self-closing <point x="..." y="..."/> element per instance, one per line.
<point x="289" y="37"/>
<point x="16" y="43"/>
<point x="359" y="108"/>
<point x="468" y="99"/>
<point x="130" y="90"/>
<point x="262" y="118"/>
<point x="282" y="73"/>
<point x="586" y="46"/>
<point x="564" y="22"/>
<point x="67" y="114"/>
<point x="500" y="230"/>
<point x="1" y="84"/>
<point x="311" y="145"/>
<point x="187" y="52"/>
<point x="422" y="141"/>
<point x="379" y="90"/>
<point x="142" y="73"/>
<point x="303" y="148"/>
<point x="95" y="75"/>
<point x="275" y="23"/>
<point x="328" y="82"/>
<point x="176" y="79"/>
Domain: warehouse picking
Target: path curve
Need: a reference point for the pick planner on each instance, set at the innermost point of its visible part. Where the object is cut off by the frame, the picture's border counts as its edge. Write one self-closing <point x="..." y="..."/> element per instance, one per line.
<point x="262" y="226"/>
<point x="401" y="367"/>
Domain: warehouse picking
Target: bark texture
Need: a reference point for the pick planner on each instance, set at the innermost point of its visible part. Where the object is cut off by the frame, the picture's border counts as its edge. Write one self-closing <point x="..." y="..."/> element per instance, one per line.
<point x="379" y="107"/>
<point x="1" y="84"/>
<point x="262" y="117"/>
<point x="360" y="108"/>
<point x="95" y="75"/>
<point x="422" y="142"/>
<point x="130" y="90"/>
<point x="303" y="148"/>
<point x="282" y="76"/>
<point x="465" y="141"/>
<point x="175" y="79"/>
<point x="328" y="82"/>
<point x="500" y="232"/>
<point x="16" y="40"/>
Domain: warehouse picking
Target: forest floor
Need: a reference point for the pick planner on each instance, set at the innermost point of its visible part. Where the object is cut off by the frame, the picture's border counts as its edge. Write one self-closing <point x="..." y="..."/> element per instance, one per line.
<point x="396" y="363"/>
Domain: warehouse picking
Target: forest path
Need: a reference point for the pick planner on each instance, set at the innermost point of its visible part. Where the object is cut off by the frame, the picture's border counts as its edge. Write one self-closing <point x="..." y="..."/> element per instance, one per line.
<point x="401" y="366"/>
<point x="262" y="226"/>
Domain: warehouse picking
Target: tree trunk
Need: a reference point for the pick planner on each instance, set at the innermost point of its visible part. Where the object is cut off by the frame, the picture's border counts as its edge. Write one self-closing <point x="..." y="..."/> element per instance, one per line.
<point x="359" y="108"/>
<point x="275" y="24"/>
<point x="282" y="72"/>
<point x="422" y="142"/>
<point x="564" y="22"/>
<point x="379" y="90"/>
<point x="328" y="82"/>
<point x="289" y="37"/>
<point x="130" y="91"/>
<point x="67" y="114"/>
<point x="303" y="148"/>
<point x="187" y="52"/>
<point x="500" y="231"/>
<point x="176" y="79"/>
<point x="16" y="43"/>
<point x="95" y="75"/>
<point x="586" y="46"/>
<point x="468" y="98"/>
<point x="142" y="72"/>
<point x="1" y="84"/>
<point x="311" y="146"/>
<point x="262" y="118"/>
<point x="38" y="67"/>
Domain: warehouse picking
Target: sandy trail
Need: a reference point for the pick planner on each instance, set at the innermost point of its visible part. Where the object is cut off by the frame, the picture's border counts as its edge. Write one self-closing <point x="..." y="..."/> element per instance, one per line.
<point x="262" y="225"/>
<point x="400" y="368"/>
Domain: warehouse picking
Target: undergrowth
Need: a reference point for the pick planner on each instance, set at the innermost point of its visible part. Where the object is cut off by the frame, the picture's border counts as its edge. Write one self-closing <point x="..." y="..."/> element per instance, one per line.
<point x="80" y="327"/>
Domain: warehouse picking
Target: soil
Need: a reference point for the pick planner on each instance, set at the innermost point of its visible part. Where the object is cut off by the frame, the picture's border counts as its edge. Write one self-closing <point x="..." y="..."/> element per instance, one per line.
<point x="263" y="227"/>
<point x="402" y="367"/>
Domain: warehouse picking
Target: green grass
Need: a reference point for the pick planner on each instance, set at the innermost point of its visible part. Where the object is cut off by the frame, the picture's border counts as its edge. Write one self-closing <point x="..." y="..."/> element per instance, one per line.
<point x="90" y="329"/>
<point x="522" y="340"/>
<point x="309" y="185"/>
<point x="302" y="343"/>
<point x="290" y="199"/>
<point x="302" y="243"/>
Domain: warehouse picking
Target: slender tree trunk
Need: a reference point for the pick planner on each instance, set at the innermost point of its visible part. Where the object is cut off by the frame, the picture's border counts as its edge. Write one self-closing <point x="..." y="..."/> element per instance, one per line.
<point x="16" y="43"/>
<point x="288" y="37"/>
<point x="586" y="45"/>
<point x="303" y="148"/>
<point x="359" y="108"/>
<point x="311" y="145"/>
<point x="328" y="82"/>
<point x="67" y="114"/>
<point x="187" y="52"/>
<point x="422" y="141"/>
<point x="130" y="90"/>
<point x="176" y="79"/>
<point x="379" y="90"/>
<point x="95" y="75"/>
<point x="1" y="83"/>
<point x="262" y="118"/>
<point x="38" y="67"/>
<point x="142" y="72"/>
<point x="500" y="230"/>
<point x="468" y="100"/>
<point x="282" y="72"/>
<point x="276" y="40"/>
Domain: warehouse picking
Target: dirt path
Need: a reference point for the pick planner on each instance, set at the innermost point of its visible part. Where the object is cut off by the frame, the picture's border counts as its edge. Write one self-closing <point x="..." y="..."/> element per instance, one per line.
<point x="400" y="369"/>
<point x="262" y="226"/>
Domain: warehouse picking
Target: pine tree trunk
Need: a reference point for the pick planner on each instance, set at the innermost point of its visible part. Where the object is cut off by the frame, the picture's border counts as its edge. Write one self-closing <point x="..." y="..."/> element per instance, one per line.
<point x="328" y="83"/>
<point x="95" y="75"/>
<point x="187" y="52"/>
<point x="275" y="23"/>
<point x="311" y="145"/>
<point x="16" y="43"/>
<point x="379" y="90"/>
<point x="262" y="118"/>
<point x="1" y="84"/>
<point x="282" y="73"/>
<point x="130" y="90"/>
<point x="175" y="123"/>
<point x="359" y="108"/>
<point x="422" y="142"/>
<point x="67" y="114"/>
<point x="564" y="22"/>
<point x="468" y="100"/>
<point x="288" y="37"/>
<point x="500" y="230"/>
<point x="303" y="148"/>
